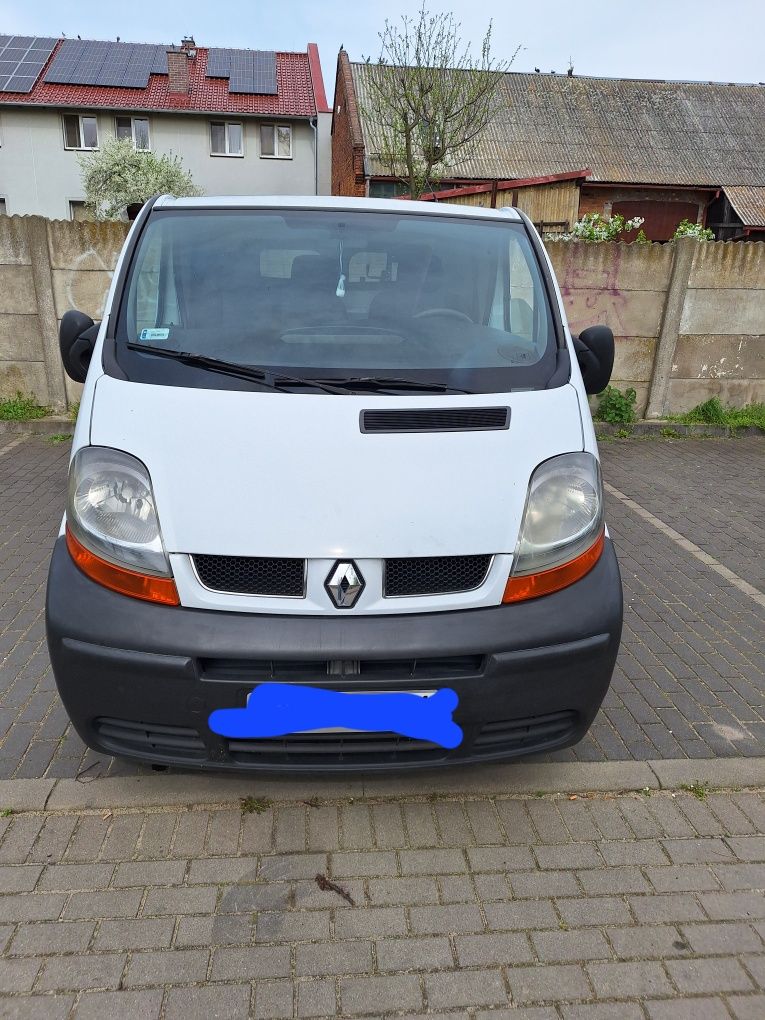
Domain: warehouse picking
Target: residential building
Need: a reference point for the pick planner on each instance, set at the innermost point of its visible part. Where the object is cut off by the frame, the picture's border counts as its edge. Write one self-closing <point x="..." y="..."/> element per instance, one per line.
<point x="243" y="121"/>
<point x="560" y="146"/>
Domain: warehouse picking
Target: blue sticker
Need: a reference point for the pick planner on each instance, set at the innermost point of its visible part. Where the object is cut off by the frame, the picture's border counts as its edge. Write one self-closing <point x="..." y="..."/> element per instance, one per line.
<point x="154" y="334"/>
<point x="273" y="710"/>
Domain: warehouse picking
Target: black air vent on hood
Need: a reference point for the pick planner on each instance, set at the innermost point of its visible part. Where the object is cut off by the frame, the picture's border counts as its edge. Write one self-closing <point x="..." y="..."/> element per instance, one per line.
<point x="440" y="419"/>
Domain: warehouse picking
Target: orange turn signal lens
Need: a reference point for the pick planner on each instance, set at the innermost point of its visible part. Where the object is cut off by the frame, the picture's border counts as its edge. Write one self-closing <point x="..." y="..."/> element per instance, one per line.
<point x="120" y="579"/>
<point x="531" y="586"/>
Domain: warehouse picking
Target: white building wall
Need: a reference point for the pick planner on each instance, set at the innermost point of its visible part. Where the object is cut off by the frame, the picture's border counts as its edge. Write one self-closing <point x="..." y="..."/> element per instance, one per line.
<point x="38" y="176"/>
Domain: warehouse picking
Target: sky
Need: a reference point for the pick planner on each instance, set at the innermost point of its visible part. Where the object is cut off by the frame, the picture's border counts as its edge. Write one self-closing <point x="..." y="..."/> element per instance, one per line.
<point x="696" y="40"/>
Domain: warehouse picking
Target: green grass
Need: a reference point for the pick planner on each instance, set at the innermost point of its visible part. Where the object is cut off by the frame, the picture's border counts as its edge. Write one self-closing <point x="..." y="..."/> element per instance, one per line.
<point x="74" y="410"/>
<point x="254" y="805"/>
<point x="22" y="408"/>
<point x="712" y="412"/>
<point x="699" y="790"/>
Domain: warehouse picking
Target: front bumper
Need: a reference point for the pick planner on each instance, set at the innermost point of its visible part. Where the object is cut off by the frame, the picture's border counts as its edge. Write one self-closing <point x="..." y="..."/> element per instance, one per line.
<point x="140" y="680"/>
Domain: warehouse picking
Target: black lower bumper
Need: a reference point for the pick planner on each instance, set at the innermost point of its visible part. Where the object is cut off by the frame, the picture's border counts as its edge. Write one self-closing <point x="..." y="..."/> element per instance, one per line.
<point x="141" y="680"/>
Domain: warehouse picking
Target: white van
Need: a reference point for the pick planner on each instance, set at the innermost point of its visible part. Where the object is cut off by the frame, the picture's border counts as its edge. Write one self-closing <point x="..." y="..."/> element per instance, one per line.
<point x="334" y="497"/>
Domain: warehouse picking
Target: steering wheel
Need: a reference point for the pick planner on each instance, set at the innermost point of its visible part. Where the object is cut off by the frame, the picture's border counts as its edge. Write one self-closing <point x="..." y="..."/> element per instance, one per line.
<point x="451" y="312"/>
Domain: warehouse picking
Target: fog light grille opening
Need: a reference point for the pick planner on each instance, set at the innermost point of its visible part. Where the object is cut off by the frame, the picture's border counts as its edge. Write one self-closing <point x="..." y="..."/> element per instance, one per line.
<point x="508" y="734"/>
<point x="150" y="738"/>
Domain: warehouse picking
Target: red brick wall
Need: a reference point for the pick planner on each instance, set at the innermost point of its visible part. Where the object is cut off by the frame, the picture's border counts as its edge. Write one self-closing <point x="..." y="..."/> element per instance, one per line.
<point x="347" y="140"/>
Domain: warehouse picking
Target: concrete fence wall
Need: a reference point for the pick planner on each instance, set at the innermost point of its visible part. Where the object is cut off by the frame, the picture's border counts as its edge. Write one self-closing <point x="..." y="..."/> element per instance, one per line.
<point x="689" y="317"/>
<point x="46" y="268"/>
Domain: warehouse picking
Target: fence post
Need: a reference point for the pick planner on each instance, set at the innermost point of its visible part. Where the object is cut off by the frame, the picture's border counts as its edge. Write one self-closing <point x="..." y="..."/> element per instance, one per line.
<point x="664" y="356"/>
<point x="42" y="275"/>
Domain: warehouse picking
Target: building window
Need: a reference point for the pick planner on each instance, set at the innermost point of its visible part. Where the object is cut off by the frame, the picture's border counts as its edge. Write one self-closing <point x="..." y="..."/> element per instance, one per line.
<point x="135" y="130"/>
<point x="225" y="138"/>
<point x="276" y="141"/>
<point x="80" y="132"/>
<point x="79" y="211"/>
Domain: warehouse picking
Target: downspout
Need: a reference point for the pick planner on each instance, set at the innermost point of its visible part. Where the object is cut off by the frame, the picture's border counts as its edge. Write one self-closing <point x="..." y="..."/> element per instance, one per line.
<point x="313" y="121"/>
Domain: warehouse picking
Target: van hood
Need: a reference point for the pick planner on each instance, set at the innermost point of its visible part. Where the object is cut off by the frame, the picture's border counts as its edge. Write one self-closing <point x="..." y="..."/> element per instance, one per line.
<point x="293" y="475"/>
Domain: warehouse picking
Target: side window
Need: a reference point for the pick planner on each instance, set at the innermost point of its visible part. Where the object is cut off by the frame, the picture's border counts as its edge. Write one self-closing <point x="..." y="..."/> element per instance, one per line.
<point x="371" y="267"/>
<point x="80" y="132"/>
<point x="154" y="298"/>
<point x="276" y="263"/>
<point x="522" y="294"/>
<point x="3" y="207"/>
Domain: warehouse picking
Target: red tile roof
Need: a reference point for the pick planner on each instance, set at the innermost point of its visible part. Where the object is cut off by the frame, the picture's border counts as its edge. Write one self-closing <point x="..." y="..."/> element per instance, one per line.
<point x="298" y="93"/>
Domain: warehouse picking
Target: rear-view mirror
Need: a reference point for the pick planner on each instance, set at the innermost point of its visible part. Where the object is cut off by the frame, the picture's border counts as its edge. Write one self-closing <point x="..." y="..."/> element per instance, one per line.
<point x="595" y="353"/>
<point x="76" y="339"/>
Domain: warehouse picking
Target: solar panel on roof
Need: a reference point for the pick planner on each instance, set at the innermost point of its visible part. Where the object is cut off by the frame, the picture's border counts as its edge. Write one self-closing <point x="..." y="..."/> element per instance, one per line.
<point x="22" y="58"/>
<point x="125" y="65"/>
<point x="248" y="71"/>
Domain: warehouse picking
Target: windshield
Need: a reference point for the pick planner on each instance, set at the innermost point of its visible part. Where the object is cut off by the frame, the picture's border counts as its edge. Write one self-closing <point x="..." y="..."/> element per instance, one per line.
<point x="328" y="294"/>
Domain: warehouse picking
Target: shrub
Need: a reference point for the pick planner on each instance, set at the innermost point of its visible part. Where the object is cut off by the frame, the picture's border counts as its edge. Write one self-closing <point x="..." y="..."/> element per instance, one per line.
<point x="687" y="229"/>
<point x="119" y="176"/>
<point x="594" y="227"/>
<point x="616" y="407"/>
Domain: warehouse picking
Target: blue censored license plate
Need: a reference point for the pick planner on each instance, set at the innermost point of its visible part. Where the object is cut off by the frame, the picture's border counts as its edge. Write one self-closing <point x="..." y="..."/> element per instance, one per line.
<point x="275" y="710"/>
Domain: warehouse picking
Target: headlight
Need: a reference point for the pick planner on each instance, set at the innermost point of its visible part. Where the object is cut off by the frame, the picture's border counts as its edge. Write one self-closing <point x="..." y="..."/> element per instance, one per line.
<point x="561" y="536"/>
<point x="112" y="511"/>
<point x="112" y="528"/>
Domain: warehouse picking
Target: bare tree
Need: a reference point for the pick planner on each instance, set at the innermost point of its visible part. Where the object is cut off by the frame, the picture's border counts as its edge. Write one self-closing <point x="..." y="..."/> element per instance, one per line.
<point x="427" y="97"/>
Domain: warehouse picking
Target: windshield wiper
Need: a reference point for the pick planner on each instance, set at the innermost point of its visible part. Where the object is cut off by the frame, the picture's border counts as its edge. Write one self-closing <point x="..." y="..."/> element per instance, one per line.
<point x="381" y="384"/>
<point x="273" y="380"/>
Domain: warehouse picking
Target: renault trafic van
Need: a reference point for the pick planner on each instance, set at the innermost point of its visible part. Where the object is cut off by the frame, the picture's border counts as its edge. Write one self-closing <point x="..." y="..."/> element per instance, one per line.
<point x="334" y="498"/>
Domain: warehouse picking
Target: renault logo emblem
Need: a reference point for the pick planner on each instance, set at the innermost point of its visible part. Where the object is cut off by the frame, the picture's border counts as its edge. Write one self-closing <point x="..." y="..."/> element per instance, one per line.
<point x="344" y="584"/>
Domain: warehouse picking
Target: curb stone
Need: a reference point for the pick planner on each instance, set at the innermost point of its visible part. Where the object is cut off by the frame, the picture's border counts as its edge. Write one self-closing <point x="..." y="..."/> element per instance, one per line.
<point x="185" y="789"/>
<point x="58" y="424"/>
<point x="55" y="425"/>
<point x="672" y="429"/>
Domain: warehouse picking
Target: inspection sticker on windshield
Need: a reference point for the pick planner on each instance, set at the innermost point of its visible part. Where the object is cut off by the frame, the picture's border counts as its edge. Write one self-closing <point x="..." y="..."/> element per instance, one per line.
<point x="154" y="334"/>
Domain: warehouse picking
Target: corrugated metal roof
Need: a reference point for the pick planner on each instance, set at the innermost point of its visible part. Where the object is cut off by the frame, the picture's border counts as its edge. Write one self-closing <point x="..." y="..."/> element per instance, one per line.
<point x="627" y="131"/>
<point x="749" y="204"/>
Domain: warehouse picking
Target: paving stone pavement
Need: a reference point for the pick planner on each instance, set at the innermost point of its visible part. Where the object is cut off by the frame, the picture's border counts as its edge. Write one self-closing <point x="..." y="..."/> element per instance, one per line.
<point x="548" y="908"/>
<point x="690" y="676"/>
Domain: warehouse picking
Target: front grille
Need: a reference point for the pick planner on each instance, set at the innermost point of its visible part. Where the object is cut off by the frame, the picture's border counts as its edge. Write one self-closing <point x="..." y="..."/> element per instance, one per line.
<point x="434" y="575"/>
<point x="149" y="738"/>
<point x="178" y="744"/>
<point x="252" y="575"/>
<point x="520" y="734"/>
<point x="316" y="670"/>
<point x="439" y="419"/>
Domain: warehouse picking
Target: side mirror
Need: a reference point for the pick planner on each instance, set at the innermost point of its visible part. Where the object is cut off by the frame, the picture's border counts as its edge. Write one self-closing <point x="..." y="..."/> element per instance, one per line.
<point x="76" y="340"/>
<point x="595" y="353"/>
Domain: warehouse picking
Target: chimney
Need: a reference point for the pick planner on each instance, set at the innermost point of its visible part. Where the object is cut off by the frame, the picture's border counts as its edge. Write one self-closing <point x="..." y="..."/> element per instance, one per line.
<point x="178" y="70"/>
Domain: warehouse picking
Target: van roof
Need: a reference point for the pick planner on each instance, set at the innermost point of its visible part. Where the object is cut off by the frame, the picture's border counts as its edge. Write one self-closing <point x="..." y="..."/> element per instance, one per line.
<point x="336" y="203"/>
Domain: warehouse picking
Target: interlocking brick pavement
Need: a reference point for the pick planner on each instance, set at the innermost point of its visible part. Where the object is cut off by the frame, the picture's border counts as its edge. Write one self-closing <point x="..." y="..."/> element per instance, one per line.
<point x="689" y="680"/>
<point x="631" y="906"/>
